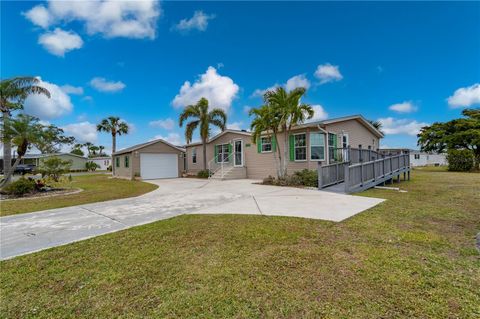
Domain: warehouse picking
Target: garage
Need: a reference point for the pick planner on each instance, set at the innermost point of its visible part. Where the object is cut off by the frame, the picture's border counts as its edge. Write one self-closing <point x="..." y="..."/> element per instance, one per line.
<point x="151" y="160"/>
<point x="153" y="166"/>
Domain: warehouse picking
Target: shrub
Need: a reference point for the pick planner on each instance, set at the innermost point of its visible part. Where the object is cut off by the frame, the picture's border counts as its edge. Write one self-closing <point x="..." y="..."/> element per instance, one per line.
<point x="91" y="166"/>
<point x="308" y="177"/>
<point x="203" y="174"/>
<point x="270" y="180"/>
<point x="109" y="168"/>
<point x="460" y="160"/>
<point x="54" y="167"/>
<point x="20" y="187"/>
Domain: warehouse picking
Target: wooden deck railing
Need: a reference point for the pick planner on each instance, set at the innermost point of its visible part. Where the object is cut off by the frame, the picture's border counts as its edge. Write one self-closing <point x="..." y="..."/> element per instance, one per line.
<point x="361" y="175"/>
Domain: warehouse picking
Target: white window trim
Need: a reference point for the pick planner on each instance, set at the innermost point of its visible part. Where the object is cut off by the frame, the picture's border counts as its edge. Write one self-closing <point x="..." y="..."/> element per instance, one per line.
<point x="324" y="150"/>
<point x="194" y="151"/>
<point x="218" y="152"/>
<point x="306" y="148"/>
<point x="348" y="140"/>
<point x="261" y="145"/>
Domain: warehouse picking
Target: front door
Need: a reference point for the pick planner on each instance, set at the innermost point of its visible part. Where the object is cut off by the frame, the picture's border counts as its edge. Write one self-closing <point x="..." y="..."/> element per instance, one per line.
<point x="238" y="156"/>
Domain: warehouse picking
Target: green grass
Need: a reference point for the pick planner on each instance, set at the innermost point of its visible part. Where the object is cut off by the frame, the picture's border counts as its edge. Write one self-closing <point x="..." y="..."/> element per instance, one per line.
<point x="412" y="256"/>
<point x="96" y="188"/>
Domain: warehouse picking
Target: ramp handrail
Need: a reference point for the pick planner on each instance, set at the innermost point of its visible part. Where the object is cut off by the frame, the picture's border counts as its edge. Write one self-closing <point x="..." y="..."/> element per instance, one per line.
<point x="214" y="166"/>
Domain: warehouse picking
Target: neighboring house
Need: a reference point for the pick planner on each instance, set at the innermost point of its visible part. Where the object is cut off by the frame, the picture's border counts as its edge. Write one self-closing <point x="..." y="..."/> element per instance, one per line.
<point x="419" y="158"/>
<point x="151" y="160"/>
<point x="78" y="162"/>
<point x="103" y="162"/>
<point x="309" y="144"/>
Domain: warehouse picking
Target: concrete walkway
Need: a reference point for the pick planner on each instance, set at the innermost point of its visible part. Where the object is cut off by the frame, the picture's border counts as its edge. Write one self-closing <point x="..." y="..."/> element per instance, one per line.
<point x="27" y="233"/>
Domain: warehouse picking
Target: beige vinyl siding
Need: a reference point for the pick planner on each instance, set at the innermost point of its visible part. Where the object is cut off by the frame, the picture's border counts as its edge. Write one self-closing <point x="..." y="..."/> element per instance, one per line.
<point x="78" y="163"/>
<point x="358" y="134"/>
<point x="134" y="163"/>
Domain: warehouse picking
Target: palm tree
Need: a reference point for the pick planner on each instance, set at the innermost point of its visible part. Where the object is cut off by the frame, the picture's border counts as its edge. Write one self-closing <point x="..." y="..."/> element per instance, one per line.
<point x="290" y="111"/>
<point x="89" y="146"/>
<point x="266" y="123"/>
<point x="114" y="126"/>
<point x="13" y="93"/>
<point x="376" y="124"/>
<point x="22" y="132"/>
<point x="100" y="150"/>
<point x="202" y="118"/>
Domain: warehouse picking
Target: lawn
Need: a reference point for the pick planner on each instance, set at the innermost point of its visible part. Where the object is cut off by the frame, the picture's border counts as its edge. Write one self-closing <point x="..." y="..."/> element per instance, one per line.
<point x="97" y="188"/>
<point x="412" y="256"/>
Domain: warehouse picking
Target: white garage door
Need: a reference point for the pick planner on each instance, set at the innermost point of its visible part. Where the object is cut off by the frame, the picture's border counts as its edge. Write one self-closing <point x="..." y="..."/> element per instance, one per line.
<point x="154" y="166"/>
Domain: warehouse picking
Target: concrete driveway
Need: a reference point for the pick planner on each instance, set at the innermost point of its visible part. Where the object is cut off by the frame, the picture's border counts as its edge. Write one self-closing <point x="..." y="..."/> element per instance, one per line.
<point x="26" y="233"/>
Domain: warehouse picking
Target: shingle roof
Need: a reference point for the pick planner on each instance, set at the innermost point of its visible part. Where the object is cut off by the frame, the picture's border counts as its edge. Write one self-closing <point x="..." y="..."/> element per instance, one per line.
<point x="142" y="145"/>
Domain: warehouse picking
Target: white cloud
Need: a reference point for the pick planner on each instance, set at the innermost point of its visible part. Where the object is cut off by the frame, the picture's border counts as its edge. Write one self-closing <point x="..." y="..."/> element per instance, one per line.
<point x="104" y="85"/>
<point x="58" y="41"/>
<point x="292" y="83"/>
<point x="111" y="18"/>
<point x="465" y="97"/>
<point x="235" y="125"/>
<point x="199" y="22"/>
<point x="328" y="73"/>
<point x="219" y="90"/>
<point x="70" y="89"/>
<point x="404" y="107"/>
<point x="297" y="81"/>
<point x="83" y="131"/>
<point x="401" y="126"/>
<point x="39" y="15"/>
<point x="320" y="113"/>
<point x="172" y="138"/>
<point x="57" y="105"/>
<point x="166" y="124"/>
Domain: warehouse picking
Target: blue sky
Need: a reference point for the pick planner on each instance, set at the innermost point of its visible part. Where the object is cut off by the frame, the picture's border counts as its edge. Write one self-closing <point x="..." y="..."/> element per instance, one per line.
<point x="406" y="64"/>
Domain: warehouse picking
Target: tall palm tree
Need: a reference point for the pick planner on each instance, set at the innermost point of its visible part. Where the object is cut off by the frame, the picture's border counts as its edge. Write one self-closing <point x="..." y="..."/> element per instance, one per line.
<point x="376" y="124"/>
<point x="100" y="150"/>
<point x="89" y="146"/>
<point x="13" y="93"/>
<point x="290" y="111"/>
<point x="114" y="126"/>
<point x="266" y="123"/>
<point x="202" y="118"/>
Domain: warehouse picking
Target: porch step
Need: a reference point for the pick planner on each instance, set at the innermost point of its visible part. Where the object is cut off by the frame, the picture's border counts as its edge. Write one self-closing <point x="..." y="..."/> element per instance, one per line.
<point x="230" y="173"/>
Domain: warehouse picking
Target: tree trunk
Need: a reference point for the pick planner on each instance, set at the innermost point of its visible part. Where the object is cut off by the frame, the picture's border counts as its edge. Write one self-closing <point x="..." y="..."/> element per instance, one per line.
<point x="114" y="147"/>
<point x="8" y="177"/>
<point x="7" y="154"/>
<point x="204" y="142"/>
<point x="278" y="157"/>
<point x="286" y="150"/>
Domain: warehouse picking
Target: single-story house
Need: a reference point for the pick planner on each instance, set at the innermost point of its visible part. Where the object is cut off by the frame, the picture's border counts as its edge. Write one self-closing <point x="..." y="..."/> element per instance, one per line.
<point x="78" y="162"/>
<point x="309" y="144"/>
<point x="103" y="162"/>
<point x="151" y="160"/>
<point x="419" y="158"/>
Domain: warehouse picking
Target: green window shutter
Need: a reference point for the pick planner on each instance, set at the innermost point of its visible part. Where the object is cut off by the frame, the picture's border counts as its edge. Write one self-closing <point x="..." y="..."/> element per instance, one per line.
<point x="229" y="149"/>
<point x="259" y="145"/>
<point x="274" y="143"/>
<point x="216" y="153"/>
<point x="291" y="144"/>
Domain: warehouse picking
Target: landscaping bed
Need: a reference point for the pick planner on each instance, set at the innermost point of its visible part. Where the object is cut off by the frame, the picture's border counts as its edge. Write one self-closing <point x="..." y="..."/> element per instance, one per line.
<point x="96" y="188"/>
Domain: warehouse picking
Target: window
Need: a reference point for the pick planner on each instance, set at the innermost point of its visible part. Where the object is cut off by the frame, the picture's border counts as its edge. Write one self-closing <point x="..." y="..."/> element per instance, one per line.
<point x="223" y="152"/>
<point x="345" y="141"/>
<point x="417" y="156"/>
<point x="369" y="147"/>
<point x="332" y="145"/>
<point x="266" y="144"/>
<point x="317" y="146"/>
<point x="300" y="144"/>
<point x="117" y="161"/>
<point x="127" y="160"/>
<point x="194" y="155"/>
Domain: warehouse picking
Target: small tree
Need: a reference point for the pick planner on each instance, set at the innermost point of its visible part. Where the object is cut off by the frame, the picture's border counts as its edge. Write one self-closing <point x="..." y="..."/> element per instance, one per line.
<point x="24" y="132"/>
<point x="54" y="167"/>
<point x="460" y="160"/>
<point x="115" y="126"/>
<point x="91" y="166"/>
